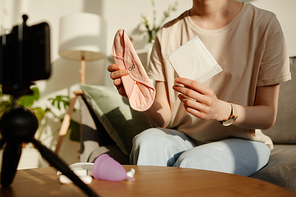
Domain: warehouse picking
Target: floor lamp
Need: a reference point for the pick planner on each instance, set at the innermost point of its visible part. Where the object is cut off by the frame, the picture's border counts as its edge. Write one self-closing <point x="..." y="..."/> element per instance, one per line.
<point x="80" y="39"/>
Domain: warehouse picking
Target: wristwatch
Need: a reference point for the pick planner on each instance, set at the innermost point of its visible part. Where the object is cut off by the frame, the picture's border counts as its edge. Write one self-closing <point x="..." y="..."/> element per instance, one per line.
<point x="232" y="117"/>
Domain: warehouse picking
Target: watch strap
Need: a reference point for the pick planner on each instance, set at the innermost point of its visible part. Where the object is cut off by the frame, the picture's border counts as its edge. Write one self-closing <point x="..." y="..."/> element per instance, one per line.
<point x="234" y="110"/>
<point x="233" y="114"/>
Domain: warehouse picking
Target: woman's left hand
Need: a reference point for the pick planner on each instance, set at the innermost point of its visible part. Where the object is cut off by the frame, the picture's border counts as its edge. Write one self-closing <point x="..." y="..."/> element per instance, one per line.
<point x="201" y="101"/>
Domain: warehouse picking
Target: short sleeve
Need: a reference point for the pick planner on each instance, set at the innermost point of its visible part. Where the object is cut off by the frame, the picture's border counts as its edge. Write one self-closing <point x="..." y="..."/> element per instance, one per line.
<point x="274" y="66"/>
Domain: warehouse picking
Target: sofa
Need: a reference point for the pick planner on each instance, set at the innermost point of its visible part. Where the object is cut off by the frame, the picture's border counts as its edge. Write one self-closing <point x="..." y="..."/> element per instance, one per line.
<point x="108" y="125"/>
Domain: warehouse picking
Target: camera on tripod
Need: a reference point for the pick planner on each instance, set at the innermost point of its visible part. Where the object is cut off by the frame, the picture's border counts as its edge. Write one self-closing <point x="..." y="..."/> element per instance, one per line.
<point x="24" y="57"/>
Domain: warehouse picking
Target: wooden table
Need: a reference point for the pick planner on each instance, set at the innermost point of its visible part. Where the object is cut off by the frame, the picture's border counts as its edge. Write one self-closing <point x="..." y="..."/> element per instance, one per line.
<point x="150" y="181"/>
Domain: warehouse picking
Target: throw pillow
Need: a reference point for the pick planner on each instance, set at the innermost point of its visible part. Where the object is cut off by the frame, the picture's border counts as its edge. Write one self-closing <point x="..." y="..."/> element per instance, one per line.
<point x="121" y="122"/>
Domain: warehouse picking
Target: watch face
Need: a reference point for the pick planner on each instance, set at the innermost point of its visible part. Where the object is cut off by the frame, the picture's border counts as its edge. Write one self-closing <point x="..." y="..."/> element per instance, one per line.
<point x="228" y="122"/>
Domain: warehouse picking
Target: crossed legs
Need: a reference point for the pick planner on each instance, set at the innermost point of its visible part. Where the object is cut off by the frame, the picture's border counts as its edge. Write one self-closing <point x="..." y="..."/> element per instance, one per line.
<point x="167" y="147"/>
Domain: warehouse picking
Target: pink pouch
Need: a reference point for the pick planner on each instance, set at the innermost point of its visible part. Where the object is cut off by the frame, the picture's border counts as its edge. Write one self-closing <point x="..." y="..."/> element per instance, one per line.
<point x="138" y="86"/>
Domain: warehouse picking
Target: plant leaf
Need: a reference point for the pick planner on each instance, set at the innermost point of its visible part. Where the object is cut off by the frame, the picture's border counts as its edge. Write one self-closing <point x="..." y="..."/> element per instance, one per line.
<point x="28" y="100"/>
<point x="4" y="106"/>
<point x="39" y="112"/>
<point x="58" y="100"/>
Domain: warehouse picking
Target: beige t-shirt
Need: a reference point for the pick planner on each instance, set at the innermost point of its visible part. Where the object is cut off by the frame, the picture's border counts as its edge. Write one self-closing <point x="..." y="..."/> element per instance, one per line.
<point x="251" y="51"/>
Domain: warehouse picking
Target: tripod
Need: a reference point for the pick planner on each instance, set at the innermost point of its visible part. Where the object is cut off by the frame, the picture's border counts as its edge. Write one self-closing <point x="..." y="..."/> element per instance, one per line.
<point x="19" y="125"/>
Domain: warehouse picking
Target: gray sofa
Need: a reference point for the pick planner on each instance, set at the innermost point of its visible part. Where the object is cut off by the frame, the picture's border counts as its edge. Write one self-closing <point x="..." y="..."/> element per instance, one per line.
<point x="105" y="125"/>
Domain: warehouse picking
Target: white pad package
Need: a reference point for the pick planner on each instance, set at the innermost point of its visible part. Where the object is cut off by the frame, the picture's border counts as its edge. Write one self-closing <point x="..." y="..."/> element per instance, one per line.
<point x="193" y="60"/>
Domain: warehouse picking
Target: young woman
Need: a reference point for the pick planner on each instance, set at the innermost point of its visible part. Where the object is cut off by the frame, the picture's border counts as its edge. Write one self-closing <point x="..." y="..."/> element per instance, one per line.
<point x="215" y="125"/>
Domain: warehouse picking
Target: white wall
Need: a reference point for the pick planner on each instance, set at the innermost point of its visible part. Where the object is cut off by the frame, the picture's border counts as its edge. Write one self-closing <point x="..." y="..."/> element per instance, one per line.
<point x="117" y="14"/>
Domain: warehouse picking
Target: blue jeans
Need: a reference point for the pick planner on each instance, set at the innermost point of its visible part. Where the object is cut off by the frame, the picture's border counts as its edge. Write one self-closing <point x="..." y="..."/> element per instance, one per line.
<point x="167" y="147"/>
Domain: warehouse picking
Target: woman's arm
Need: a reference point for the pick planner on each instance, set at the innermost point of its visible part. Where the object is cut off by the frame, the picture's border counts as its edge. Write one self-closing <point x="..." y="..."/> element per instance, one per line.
<point x="202" y="102"/>
<point x="160" y="111"/>
<point x="263" y="114"/>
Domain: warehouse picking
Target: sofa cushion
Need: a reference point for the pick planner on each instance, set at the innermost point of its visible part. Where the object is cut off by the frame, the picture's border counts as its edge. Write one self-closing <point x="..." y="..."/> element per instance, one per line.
<point x="281" y="168"/>
<point x="284" y="130"/>
<point x="120" y="121"/>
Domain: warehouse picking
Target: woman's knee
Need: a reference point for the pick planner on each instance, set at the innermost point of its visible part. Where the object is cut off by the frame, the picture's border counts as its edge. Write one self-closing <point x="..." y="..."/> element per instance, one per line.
<point x="163" y="137"/>
<point x="198" y="160"/>
<point x="235" y="156"/>
<point x="148" y="136"/>
<point x="147" y="146"/>
<point x="157" y="145"/>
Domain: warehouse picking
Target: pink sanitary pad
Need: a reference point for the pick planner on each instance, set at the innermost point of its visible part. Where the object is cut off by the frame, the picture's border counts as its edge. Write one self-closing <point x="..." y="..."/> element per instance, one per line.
<point x="138" y="86"/>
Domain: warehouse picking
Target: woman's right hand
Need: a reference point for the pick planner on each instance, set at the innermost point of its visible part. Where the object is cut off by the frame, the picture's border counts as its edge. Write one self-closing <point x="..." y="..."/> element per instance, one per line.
<point x="116" y="72"/>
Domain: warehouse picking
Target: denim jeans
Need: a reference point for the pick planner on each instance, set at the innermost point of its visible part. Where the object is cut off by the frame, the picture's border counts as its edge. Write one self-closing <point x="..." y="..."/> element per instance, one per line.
<point x="167" y="147"/>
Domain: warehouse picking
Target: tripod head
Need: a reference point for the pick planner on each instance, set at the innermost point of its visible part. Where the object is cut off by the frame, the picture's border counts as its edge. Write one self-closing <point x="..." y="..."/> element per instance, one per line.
<point x="21" y="123"/>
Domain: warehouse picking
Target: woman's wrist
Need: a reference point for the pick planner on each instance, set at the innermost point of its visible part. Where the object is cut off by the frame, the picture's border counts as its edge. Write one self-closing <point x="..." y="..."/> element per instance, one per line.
<point x="225" y="111"/>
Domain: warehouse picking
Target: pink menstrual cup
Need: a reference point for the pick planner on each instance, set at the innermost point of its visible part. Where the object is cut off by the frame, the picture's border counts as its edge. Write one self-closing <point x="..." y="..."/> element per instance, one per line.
<point x="108" y="169"/>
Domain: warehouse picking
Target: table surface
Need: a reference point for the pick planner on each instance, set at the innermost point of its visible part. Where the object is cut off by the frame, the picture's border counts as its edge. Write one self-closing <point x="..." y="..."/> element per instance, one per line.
<point x="149" y="181"/>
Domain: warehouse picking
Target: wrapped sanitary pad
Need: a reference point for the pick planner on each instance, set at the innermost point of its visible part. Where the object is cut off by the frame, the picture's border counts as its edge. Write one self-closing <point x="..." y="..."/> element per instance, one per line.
<point x="192" y="60"/>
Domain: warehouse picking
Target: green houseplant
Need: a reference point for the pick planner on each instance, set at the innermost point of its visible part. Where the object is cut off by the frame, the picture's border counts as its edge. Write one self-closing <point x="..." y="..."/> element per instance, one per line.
<point x="28" y="101"/>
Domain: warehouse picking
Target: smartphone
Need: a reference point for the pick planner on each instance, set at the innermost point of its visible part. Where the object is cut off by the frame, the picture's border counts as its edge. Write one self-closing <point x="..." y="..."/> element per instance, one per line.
<point x="24" y="57"/>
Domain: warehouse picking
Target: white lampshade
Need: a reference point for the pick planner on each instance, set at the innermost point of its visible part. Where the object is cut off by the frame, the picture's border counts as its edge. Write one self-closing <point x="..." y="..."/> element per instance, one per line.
<point x="81" y="37"/>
